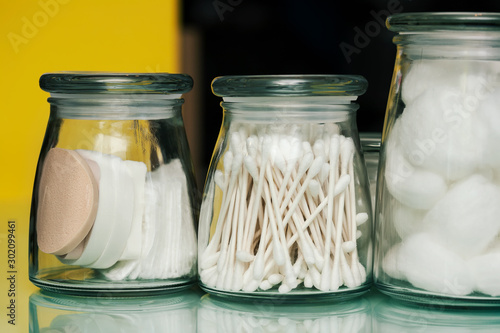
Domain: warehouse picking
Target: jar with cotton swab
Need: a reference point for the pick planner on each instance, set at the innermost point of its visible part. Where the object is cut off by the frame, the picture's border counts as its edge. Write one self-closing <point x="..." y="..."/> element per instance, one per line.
<point x="286" y="210"/>
<point x="439" y="187"/>
<point x="114" y="202"/>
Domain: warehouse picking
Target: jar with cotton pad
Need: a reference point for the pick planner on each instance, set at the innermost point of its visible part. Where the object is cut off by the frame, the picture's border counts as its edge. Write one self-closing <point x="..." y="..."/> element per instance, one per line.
<point x="438" y="225"/>
<point x="286" y="210"/>
<point x="114" y="205"/>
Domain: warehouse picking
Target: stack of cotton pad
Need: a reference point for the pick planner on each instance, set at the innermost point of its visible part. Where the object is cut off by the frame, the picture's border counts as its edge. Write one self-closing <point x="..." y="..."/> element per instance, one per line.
<point x="99" y="211"/>
<point x="442" y="168"/>
<point x="169" y="242"/>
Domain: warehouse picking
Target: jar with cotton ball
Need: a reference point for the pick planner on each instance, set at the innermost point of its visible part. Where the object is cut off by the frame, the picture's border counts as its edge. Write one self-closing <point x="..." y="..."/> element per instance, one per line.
<point x="438" y="226"/>
<point x="286" y="210"/>
<point x="114" y="206"/>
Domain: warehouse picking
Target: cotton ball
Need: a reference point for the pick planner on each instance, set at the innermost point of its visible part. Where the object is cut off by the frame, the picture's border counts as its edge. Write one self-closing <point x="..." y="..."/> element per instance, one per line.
<point x="423" y="75"/>
<point x="467" y="218"/>
<point x="439" y="135"/>
<point x="430" y="266"/>
<point x="413" y="187"/>
<point x="391" y="263"/>
<point x="486" y="271"/>
<point x="408" y="221"/>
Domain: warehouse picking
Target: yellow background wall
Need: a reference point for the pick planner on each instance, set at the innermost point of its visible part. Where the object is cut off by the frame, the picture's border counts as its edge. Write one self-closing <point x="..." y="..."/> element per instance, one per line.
<point x="62" y="35"/>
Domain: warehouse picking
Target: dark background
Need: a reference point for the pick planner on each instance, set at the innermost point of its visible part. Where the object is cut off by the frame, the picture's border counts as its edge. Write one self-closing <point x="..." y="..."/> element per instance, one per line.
<point x="299" y="37"/>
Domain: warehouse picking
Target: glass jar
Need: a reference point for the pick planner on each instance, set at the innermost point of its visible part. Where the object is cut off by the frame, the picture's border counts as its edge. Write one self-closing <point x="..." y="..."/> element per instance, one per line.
<point x="114" y="201"/>
<point x="286" y="209"/>
<point x="438" y="220"/>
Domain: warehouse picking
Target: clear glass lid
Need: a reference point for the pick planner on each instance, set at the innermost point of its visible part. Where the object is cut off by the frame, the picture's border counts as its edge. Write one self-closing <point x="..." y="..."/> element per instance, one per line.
<point x="289" y="85"/>
<point x="115" y="83"/>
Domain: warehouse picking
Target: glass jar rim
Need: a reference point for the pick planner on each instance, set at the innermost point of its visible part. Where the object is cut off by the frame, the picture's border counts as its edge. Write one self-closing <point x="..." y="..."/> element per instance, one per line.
<point x="115" y="83"/>
<point x="443" y="21"/>
<point x="289" y="85"/>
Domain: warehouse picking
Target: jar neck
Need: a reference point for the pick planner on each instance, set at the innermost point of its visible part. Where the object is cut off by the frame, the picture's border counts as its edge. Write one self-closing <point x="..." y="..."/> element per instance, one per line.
<point x="300" y="109"/>
<point x="115" y="106"/>
<point x="459" y="44"/>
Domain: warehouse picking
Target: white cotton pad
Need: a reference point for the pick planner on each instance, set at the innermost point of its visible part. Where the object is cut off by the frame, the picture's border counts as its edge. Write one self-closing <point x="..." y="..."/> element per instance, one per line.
<point x="408" y="221"/>
<point x="437" y="135"/>
<point x="428" y="265"/>
<point x="486" y="271"/>
<point x="467" y="218"/>
<point x="131" y="173"/>
<point x="410" y="185"/>
<point x="101" y="232"/>
<point x="134" y="242"/>
<point x="67" y="202"/>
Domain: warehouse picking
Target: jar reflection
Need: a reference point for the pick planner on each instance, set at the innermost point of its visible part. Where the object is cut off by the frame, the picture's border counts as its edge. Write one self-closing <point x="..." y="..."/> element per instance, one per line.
<point x="56" y="313"/>
<point x="393" y="316"/>
<point x="215" y="315"/>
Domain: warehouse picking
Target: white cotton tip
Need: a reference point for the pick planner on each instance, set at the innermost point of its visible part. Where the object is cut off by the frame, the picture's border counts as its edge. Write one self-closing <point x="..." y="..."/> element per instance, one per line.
<point x="315" y="276"/>
<point x="244" y="256"/>
<point x="258" y="268"/>
<point x="342" y="184"/>
<point x="361" y="218"/>
<point x="251" y="167"/>
<point x="348" y="246"/>
<point x="362" y="272"/>
<point x="209" y="261"/>
<point x="265" y="285"/>
<point x="219" y="179"/>
<point x="236" y="144"/>
<point x="266" y="148"/>
<point x="316" y="166"/>
<point x="358" y="234"/>
<point x="325" y="171"/>
<point x="408" y="221"/>
<point x="314" y="188"/>
<point x="305" y="163"/>
<point x="320" y="261"/>
<point x="319" y="148"/>
<point x="325" y="280"/>
<point x="306" y="147"/>
<point x="252" y="144"/>
<point x="228" y="161"/>
<point x="302" y="273"/>
<point x="275" y="278"/>
<point x="486" y="272"/>
<point x="279" y="161"/>
<point x="278" y="255"/>
<point x="308" y="283"/>
<point x="308" y="253"/>
<point x="290" y="276"/>
<point x="252" y="286"/>
<point x="412" y="186"/>
<point x="285" y="147"/>
<point x="430" y="266"/>
<point x="237" y="161"/>
<point x="284" y="288"/>
<point x="466" y="219"/>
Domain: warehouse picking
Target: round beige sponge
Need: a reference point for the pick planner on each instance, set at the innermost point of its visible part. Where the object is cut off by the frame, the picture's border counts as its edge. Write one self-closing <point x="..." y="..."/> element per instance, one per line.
<point x="67" y="201"/>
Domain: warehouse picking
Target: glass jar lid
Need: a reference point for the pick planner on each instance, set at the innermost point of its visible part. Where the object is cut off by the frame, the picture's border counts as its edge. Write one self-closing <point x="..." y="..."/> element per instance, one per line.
<point x="418" y="22"/>
<point x="115" y="83"/>
<point x="289" y="85"/>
